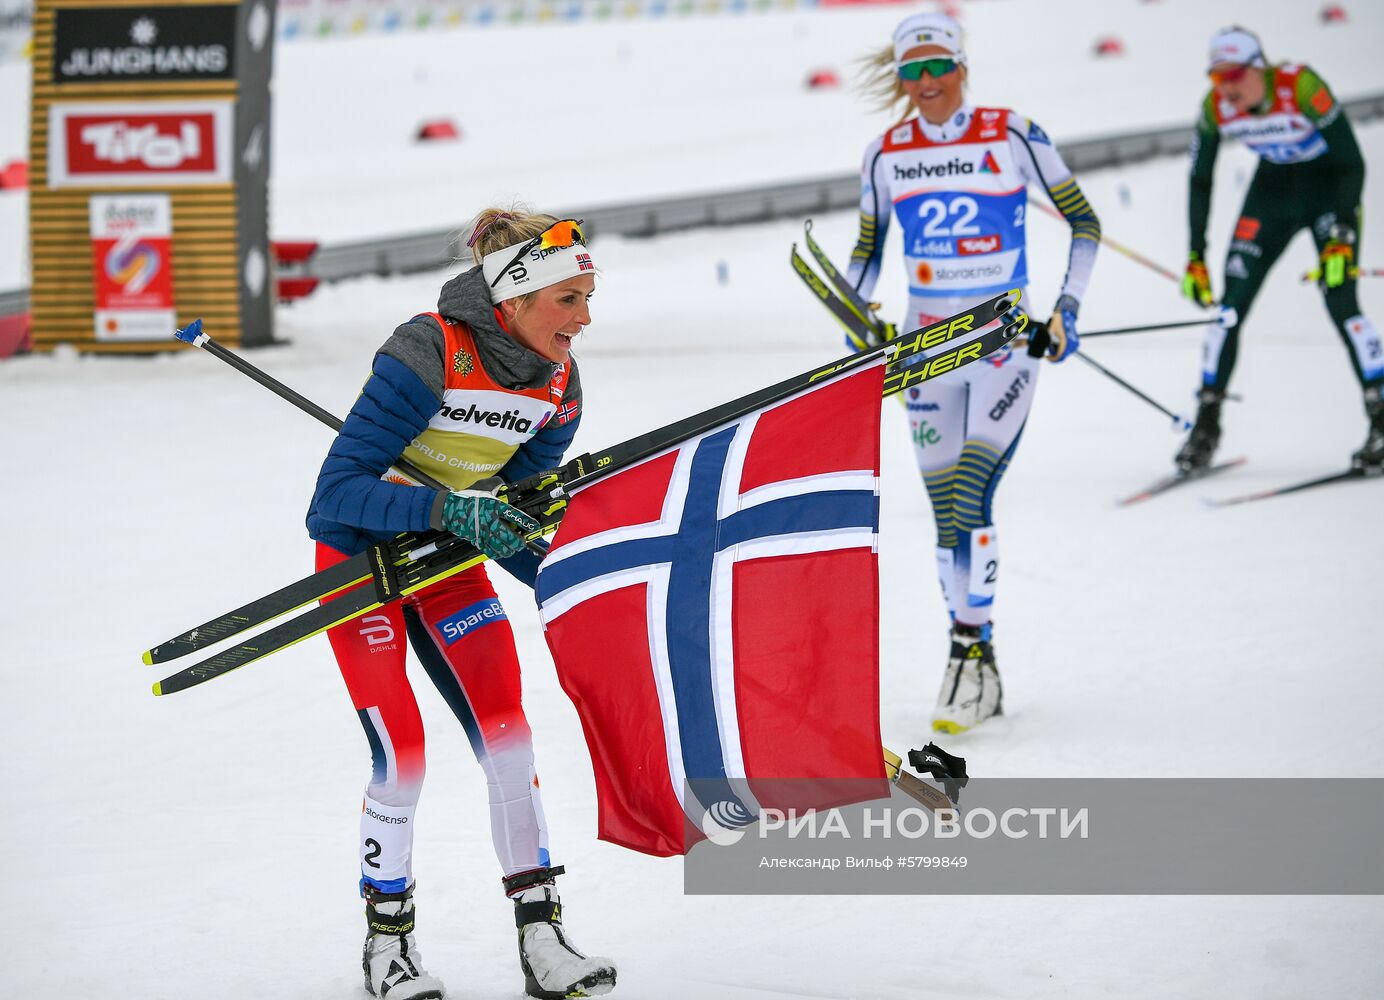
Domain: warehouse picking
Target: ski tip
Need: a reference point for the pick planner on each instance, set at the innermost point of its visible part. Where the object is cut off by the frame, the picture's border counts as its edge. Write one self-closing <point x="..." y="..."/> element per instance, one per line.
<point x="190" y="333"/>
<point x="158" y="688"/>
<point x="148" y="658"/>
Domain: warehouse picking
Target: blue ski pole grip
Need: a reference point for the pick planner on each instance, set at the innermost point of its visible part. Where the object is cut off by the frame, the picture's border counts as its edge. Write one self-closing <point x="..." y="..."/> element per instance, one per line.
<point x="191" y="334"/>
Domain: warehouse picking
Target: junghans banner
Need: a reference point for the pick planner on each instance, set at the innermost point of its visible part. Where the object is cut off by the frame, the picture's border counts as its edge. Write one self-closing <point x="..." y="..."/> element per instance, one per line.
<point x="112" y="44"/>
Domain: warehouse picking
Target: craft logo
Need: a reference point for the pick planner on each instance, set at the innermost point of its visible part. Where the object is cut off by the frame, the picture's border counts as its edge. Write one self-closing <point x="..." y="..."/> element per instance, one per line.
<point x="115" y="44"/>
<point x="978" y="244"/>
<point x="151" y="144"/>
<point x="468" y="619"/>
<point x="1010" y="397"/>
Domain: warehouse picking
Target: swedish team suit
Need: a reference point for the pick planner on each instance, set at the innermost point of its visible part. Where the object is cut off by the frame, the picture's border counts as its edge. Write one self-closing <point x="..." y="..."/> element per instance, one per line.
<point x="960" y="193"/>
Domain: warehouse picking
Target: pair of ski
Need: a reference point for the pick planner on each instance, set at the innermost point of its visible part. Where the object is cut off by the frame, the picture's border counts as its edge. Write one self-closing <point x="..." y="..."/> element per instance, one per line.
<point x="408" y="563"/>
<point x="1175" y="479"/>
<point x="864" y="328"/>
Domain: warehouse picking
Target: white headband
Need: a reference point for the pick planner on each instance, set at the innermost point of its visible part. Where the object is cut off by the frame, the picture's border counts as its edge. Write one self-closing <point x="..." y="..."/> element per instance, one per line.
<point x="534" y="270"/>
<point x="928" y="29"/>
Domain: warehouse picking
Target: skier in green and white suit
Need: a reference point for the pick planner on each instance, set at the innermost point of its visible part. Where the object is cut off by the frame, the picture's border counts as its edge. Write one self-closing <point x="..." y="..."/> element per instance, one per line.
<point x="1310" y="176"/>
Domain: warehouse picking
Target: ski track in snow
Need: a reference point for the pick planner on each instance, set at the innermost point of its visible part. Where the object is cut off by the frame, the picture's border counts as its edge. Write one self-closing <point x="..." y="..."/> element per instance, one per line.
<point x="203" y="845"/>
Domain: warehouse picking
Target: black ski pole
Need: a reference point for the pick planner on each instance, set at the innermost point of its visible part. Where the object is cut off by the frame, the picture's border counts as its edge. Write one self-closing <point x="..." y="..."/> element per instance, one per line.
<point x="1179" y="422"/>
<point x="1038" y="346"/>
<point x="194" y="334"/>
<point x="1146" y="329"/>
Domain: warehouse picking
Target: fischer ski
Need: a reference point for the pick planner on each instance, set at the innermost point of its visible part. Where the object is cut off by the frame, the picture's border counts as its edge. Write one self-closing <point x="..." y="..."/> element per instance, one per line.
<point x="1337" y="477"/>
<point x="296" y="595"/>
<point x="866" y="311"/>
<point x="861" y="335"/>
<point x="396" y="571"/>
<point x="1176" y="479"/>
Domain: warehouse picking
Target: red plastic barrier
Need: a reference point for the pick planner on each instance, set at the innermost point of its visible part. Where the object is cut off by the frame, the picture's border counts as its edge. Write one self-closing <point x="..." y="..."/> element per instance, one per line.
<point x="290" y="289"/>
<point x="14" y="334"/>
<point x="15" y="176"/>
<point x="823" y="79"/>
<point x="1334" y="13"/>
<point x="440" y="128"/>
<point x="293" y="251"/>
<point x="1109" y="46"/>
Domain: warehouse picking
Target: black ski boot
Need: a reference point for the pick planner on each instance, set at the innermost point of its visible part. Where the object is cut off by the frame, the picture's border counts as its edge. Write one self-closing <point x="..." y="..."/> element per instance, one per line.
<point x="554" y="968"/>
<point x="1370" y="458"/>
<point x="1201" y="444"/>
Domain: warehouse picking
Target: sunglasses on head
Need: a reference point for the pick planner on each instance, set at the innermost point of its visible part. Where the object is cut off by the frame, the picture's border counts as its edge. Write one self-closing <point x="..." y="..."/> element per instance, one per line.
<point x="565" y="233"/>
<point x="1232" y="74"/>
<point x="934" y="68"/>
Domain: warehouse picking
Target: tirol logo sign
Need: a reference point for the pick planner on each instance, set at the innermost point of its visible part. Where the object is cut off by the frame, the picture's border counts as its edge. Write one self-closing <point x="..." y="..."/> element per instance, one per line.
<point x="116" y="44"/>
<point x="155" y="143"/>
<point x="131" y="237"/>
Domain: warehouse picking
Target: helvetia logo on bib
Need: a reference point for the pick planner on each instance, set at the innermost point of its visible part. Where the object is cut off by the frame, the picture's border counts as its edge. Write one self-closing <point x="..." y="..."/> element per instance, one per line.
<point x="988" y="165"/>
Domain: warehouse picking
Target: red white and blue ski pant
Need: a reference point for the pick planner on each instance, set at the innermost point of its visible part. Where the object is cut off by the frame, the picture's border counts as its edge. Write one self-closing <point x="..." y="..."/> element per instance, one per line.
<point x="461" y="635"/>
<point x="965" y="427"/>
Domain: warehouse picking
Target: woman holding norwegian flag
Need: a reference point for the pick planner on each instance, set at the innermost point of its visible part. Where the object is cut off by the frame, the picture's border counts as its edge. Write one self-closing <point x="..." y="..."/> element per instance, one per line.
<point x="483" y="387"/>
<point x="957" y="177"/>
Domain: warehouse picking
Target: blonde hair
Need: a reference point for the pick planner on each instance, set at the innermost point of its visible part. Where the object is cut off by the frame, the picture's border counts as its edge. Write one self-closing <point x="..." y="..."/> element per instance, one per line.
<point x="505" y="227"/>
<point x="878" y="79"/>
<point x="496" y="228"/>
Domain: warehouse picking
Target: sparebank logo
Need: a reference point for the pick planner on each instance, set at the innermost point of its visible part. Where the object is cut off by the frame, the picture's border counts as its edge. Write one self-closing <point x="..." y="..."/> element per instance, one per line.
<point x="471" y="618"/>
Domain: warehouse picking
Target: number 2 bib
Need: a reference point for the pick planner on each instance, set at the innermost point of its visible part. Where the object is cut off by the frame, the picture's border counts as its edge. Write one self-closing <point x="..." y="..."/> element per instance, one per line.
<point x="961" y="206"/>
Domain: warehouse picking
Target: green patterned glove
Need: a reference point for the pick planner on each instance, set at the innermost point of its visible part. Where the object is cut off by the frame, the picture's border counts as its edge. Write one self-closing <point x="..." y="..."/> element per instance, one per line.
<point x="1196" y="283"/>
<point x="487" y="522"/>
<point x="1338" y="257"/>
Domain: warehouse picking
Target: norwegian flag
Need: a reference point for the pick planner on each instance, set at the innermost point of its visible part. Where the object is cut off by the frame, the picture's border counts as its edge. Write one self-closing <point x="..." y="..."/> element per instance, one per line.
<point x="584" y="262"/>
<point x="713" y="612"/>
<point x="566" y="412"/>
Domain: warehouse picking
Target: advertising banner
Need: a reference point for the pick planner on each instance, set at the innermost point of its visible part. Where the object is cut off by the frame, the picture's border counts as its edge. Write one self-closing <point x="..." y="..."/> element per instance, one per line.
<point x="131" y="253"/>
<point x="119" y="44"/>
<point x="144" y="144"/>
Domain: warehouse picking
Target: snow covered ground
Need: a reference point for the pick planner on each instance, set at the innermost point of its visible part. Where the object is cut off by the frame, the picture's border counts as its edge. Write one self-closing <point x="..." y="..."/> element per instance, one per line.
<point x="674" y="106"/>
<point x="203" y="845"/>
